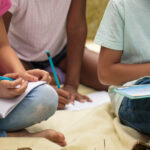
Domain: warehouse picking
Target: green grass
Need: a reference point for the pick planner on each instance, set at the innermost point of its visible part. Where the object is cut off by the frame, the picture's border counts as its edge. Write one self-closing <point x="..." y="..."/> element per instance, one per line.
<point x="95" y="11"/>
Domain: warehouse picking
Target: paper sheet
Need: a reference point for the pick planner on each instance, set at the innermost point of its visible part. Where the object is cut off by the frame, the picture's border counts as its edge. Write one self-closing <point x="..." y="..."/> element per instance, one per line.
<point x="98" y="98"/>
<point x="7" y="105"/>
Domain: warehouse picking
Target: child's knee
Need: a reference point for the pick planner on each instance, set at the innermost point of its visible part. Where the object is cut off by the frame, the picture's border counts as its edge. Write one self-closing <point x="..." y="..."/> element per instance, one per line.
<point x="47" y="101"/>
<point x="52" y="99"/>
<point x="38" y="106"/>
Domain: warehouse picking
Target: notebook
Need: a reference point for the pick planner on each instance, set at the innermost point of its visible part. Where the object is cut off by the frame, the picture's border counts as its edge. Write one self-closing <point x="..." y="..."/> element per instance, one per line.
<point x="135" y="91"/>
<point x="7" y="105"/>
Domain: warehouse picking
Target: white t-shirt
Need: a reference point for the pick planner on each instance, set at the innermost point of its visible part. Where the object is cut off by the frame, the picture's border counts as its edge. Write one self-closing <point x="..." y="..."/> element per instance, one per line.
<point x="37" y="26"/>
<point x="126" y="27"/>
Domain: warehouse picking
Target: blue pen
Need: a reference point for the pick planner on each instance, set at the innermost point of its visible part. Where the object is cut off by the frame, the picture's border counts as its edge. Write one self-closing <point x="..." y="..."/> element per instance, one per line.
<point x="53" y="69"/>
<point x="6" y="78"/>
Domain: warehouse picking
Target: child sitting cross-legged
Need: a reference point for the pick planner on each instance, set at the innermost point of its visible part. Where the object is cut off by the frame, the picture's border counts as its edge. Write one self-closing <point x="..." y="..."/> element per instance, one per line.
<point x="40" y="104"/>
<point x="124" y="35"/>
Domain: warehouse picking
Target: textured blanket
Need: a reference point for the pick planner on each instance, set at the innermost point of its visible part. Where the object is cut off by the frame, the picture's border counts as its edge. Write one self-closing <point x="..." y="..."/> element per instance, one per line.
<point x="91" y="129"/>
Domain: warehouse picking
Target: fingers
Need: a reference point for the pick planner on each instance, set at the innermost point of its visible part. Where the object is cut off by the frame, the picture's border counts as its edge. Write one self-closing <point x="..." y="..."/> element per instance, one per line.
<point x="26" y="76"/>
<point x="11" y="84"/>
<point x="72" y="99"/>
<point x="61" y="106"/>
<point x="72" y="96"/>
<point x="13" y="91"/>
<point x="87" y="98"/>
<point x="12" y="75"/>
<point x="62" y="102"/>
<point x="49" y="80"/>
<point x="29" y="77"/>
<point x="79" y="98"/>
<point x="82" y="98"/>
<point x="46" y="77"/>
<point x="20" y="90"/>
<point x="53" y="82"/>
<point x="62" y="92"/>
<point x="40" y="74"/>
<point x="63" y="97"/>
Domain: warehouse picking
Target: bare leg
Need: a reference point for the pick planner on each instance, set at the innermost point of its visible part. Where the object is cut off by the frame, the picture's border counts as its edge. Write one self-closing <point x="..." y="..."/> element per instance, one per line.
<point x="89" y="76"/>
<point x="49" y="134"/>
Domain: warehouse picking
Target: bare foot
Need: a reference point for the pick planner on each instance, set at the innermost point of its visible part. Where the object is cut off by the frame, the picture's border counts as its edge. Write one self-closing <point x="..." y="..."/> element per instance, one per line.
<point x="49" y="134"/>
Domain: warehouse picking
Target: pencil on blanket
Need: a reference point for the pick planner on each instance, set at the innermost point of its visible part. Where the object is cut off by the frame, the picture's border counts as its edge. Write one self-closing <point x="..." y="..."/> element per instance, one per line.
<point x="53" y="68"/>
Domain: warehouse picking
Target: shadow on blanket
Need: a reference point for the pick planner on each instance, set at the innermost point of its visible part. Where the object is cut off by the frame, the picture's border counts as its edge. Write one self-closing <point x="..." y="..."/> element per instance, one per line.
<point x="141" y="146"/>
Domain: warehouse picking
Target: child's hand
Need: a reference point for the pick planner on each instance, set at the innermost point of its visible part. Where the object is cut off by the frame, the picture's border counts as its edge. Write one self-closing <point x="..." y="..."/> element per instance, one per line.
<point x="8" y="88"/>
<point x="63" y="97"/>
<point x="74" y="95"/>
<point x="41" y="75"/>
<point x="35" y="75"/>
<point x="53" y="81"/>
<point x="27" y="76"/>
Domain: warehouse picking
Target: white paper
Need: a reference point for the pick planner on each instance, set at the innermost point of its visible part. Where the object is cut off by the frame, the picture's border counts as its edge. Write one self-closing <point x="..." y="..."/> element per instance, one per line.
<point x="7" y="105"/>
<point x="98" y="98"/>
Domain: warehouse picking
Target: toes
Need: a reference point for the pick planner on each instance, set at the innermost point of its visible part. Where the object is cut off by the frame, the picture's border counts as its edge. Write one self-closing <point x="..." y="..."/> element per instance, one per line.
<point x="56" y="136"/>
<point x="61" y="143"/>
<point x="60" y="136"/>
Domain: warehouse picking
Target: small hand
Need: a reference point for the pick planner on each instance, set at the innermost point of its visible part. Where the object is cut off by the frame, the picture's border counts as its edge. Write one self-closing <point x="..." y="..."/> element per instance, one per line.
<point x="40" y="75"/>
<point x="74" y="95"/>
<point x="63" y="97"/>
<point x="8" y="88"/>
<point x="27" y="76"/>
<point x="53" y="81"/>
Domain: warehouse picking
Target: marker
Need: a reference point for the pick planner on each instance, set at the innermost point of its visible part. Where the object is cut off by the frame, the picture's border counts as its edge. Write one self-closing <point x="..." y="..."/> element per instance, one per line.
<point x="53" y="69"/>
<point x="6" y="78"/>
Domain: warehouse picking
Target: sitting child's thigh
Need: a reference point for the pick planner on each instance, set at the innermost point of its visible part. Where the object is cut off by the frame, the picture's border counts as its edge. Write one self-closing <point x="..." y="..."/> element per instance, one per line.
<point x="38" y="105"/>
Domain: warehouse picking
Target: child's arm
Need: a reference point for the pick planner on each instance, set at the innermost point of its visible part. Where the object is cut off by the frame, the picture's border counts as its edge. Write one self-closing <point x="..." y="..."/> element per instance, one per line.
<point x="112" y="72"/>
<point x="9" y="61"/>
<point x="8" y="58"/>
<point x="76" y="35"/>
<point x="7" y="19"/>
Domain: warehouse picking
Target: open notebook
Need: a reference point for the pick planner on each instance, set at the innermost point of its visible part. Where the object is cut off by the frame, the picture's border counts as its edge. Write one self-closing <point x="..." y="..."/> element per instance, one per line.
<point x="7" y="105"/>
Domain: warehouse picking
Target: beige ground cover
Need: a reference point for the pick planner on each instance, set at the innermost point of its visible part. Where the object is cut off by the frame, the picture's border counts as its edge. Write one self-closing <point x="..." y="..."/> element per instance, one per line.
<point x="90" y="129"/>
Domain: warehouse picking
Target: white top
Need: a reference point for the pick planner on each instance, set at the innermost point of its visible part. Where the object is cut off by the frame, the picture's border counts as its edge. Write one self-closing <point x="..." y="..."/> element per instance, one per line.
<point x="126" y="27"/>
<point x="37" y="26"/>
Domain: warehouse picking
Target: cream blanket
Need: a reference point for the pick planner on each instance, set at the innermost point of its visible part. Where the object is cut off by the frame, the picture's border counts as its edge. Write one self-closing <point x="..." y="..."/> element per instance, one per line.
<point x="91" y="129"/>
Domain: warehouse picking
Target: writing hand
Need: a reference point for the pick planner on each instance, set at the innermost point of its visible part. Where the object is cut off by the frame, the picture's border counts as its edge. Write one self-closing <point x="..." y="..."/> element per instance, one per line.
<point x="8" y="88"/>
<point x="63" y="97"/>
<point x="74" y="95"/>
<point x="40" y="75"/>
